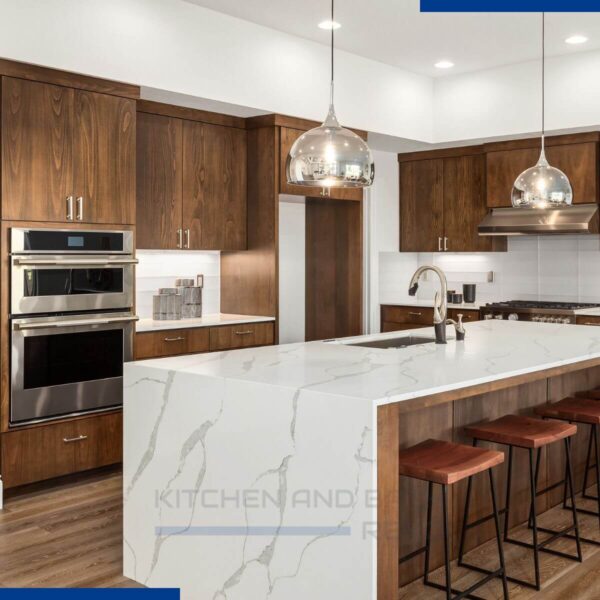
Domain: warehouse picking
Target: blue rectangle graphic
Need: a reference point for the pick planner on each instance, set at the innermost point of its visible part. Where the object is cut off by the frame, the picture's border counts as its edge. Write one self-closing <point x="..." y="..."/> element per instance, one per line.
<point x="510" y="6"/>
<point x="89" y="594"/>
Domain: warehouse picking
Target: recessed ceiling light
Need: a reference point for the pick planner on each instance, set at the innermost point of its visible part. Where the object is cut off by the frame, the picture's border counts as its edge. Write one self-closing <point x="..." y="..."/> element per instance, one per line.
<point x="329" y="25"/>
<point x="576" y="39"/>
<point x="444" y="64"/>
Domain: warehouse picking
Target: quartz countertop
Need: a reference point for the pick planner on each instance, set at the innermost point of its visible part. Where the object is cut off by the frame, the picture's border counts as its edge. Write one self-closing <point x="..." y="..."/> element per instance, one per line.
<point x="205" y="321"/>
<point x="492" y="350"/>
<point x="429" y="304"/>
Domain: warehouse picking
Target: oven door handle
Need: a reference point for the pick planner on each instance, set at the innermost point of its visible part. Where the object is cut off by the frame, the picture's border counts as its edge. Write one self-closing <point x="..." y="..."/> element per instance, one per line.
<point x="74" y="323"/>
<point x="75" y="262"/>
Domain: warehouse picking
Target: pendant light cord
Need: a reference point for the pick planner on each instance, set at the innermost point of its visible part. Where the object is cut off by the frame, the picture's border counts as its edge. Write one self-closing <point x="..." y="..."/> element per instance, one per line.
<point x="543" y="78"/>
<point x="332" y="30"/>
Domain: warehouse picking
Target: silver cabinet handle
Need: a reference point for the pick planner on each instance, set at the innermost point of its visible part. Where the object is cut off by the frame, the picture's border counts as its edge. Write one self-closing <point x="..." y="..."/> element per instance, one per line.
<point x="180" y="238"/>
<point x="439" y="244"/>
<point x="445" y="244"/>
<point x="187" y="239"/>
<point x="175" y="339"/>
<point x="79" y="438"/>
<point x="79" y="205"/>
<point x="247" y="332"/>
<point x="416" y="314"/>
<point x="69" y="208"/>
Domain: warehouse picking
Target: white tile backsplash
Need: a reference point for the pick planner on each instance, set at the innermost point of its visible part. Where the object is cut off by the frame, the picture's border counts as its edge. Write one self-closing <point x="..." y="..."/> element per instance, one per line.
<point x="561" y="268"/>
<point x="158" y="268"/>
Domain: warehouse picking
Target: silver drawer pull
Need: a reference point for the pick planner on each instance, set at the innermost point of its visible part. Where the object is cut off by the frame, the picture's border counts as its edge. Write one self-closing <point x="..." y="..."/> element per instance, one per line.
<point x="79" y="438"/>
<point x="247" y="332"/>
<point x="69" y="208"/>
<point x="175" y="339"/>
<point x="415" y="314"/>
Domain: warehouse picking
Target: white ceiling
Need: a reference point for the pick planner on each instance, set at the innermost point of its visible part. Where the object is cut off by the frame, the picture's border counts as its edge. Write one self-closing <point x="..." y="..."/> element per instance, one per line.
<point x="396" y="33"/>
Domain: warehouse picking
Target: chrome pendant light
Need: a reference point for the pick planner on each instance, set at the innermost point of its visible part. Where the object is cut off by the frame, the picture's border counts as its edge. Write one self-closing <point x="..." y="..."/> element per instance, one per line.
<point x="542" y="186"/>
<point x="330" y="155"/>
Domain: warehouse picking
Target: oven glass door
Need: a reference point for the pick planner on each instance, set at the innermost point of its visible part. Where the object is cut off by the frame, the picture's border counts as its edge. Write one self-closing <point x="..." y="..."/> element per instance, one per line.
<point x="45" y="285"/>
<point x="60" y="369"/>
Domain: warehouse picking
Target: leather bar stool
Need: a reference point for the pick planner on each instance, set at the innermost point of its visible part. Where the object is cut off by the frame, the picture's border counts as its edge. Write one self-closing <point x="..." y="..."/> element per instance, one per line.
<point x="517" y="431"/>
<point x="583" y="411"/>
<point x="593" y="442"/>
<point x="445" y="463"/>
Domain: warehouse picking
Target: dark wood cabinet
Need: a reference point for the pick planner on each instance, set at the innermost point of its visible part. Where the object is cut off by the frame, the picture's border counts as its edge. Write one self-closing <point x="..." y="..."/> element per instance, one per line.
<point x="214" y="187"/>
<point x="288" y="136"/>
<point x="37" y="150"/>
<point x="67" y="154"/>
<point x="56" y="449"/>
<point x="159" y="198"/>
<point x="104" y="158"/>
<point x="400" y="318"/>
<point x="442" y="201"/>
<point x="191" y="182"/>
<point x="576" y="155"/>
<point x="421" y="206"/>
<point x="244" y="335"/>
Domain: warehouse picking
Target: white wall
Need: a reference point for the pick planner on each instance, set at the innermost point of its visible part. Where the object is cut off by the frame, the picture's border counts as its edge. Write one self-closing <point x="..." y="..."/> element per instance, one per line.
<point x="506" y="101"/>
<point x="184" y="48"/>
<point x="292" y="268"/>
<point x="158" y="268"/>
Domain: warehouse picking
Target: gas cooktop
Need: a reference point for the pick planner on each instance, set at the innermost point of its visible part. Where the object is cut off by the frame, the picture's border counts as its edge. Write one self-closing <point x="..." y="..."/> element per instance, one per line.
<point x="541" y="305"/>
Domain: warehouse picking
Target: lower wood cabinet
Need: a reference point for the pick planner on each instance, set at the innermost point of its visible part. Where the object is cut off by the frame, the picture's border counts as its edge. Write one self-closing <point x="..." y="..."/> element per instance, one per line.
<point x="399" y="318"/>
<point x="173" y="342"/>
<point x="43" y="452"/>
<point x="587" y="320"/>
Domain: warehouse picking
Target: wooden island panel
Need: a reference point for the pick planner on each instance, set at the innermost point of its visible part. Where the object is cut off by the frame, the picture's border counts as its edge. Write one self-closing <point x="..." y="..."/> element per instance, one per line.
<point x="402" y="501"/>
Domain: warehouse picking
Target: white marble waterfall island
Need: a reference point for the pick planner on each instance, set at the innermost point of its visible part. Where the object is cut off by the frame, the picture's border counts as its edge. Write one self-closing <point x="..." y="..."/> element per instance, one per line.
<point x="254" y="474"/>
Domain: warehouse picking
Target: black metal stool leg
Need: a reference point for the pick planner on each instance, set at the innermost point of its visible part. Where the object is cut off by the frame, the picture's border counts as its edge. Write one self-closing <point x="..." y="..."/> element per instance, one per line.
<point x="498" y="540"/>
<point x="536" y="552"/>
<point x="463" y="531"/>
<point x="572" y="490"/>
<point x="536" y="479"/>
<point x="508" y="486"/>
<point x="587" y="462"/>
<point x="446" y="542"/>
<point x="428" y="534"/>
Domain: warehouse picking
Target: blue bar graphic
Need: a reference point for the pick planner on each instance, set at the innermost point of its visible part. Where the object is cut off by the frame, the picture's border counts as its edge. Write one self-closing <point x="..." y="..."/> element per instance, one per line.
<point x="89" y="594"/>
<point x="242" y="530"/>
<point x="510" y="6"/>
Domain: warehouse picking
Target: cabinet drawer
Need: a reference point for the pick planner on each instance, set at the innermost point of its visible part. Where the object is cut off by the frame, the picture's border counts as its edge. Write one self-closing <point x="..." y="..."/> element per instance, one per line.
<point x="414" y="315"/>
<point x="171" y="342"/>
<point x="468" y="315"/>
<point x="587" y="320"/>
<point x="243" y="335"/>
<point x="53" y="450"/>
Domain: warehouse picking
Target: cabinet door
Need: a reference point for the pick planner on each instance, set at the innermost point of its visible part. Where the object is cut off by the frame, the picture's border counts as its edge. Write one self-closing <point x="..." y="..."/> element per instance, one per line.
<point x="421" y="205"/>
<point x="37" y="158"/>
<point x="464" y="204"/>
<point x="287" y="138"/>
<point x="104" y="156"/>
<point x="578" y="161"/>
<point x="214" y="187"/>
<point x="159" y="179"/>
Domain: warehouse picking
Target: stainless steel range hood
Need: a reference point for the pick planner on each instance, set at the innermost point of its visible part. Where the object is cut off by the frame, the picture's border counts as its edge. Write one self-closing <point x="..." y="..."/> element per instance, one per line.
<point x="578" y="218"/>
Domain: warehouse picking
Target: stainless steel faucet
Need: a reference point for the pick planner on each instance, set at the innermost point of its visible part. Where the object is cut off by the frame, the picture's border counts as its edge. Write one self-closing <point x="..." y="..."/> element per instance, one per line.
<point x="440" y="306"/>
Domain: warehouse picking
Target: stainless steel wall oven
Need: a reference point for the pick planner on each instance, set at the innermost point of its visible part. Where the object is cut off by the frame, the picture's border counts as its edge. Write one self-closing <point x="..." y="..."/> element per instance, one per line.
<point x="72" y="325"/>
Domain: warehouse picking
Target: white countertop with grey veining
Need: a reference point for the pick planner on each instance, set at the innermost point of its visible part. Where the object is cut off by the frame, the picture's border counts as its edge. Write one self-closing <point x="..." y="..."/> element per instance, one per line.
<point x="205" y="321"/>
<point x="492" y="350"/>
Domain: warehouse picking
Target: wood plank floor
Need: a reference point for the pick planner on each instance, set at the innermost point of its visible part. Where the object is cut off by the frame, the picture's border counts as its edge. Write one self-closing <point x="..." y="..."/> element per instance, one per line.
<point x="69" y="534"/>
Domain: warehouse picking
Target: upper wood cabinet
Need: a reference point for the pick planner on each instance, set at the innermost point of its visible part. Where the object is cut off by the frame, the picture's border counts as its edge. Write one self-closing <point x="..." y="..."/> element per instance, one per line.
<point x="191" y="183"/>
<point x="442" y="201"/>
<point x="288" y="136"/>
<point x="576" y="155"/>
<point x="67" y="154"/>
<point x="159" y="182"/>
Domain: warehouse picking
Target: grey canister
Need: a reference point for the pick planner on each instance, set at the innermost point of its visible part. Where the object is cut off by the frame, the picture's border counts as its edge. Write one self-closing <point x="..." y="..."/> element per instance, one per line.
<point x="159" y="307"/>
<point x="192" y="302"/>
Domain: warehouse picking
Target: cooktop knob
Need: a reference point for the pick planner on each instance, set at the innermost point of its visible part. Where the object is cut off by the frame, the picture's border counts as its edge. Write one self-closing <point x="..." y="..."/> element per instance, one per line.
<point x="513" y="317"/>
<point x="499" y="317"/>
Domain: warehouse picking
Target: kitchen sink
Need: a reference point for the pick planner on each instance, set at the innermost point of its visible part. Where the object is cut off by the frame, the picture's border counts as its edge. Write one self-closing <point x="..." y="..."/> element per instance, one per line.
<point x="398" y="342"/>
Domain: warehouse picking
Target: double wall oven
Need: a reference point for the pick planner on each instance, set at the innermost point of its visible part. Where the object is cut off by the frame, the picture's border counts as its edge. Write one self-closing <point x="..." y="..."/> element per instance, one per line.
<point x="72" y="321"/>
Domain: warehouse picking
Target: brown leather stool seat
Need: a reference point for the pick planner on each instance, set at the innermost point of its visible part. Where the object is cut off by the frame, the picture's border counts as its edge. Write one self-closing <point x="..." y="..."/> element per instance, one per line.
<point x="531" y="434"/>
